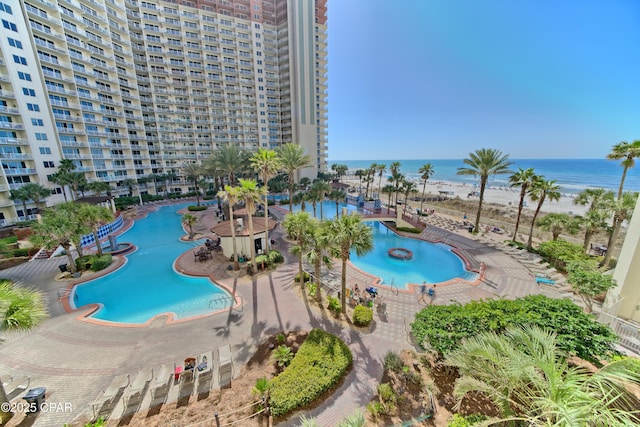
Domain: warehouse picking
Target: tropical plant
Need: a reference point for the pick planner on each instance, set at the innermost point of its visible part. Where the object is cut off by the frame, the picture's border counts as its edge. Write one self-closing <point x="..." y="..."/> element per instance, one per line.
<point x="600" y="204"/>
<point x="484" y="163"/>
<point x="627" y="153"/>
<point x="523" y="178"/>
<point x="349" y="233"/>
<point x="541" y="190"/>
<point x="189" y="221"/>
<point x="261" y="387"/>
<point x="232" y="195"/>
<point x="29" y="191"/>
<point x="389" y="190"/>
<point x="396" y="177"/>
<point x="282" y="356"/>
<point x="293" y="158"/>
<point x="21" y="309"/>
<point x="339" y="169"/>
<point x="192" y="173"/>
<point x="318" y="253"/>
<point x="337" y="196"/>
<point x="426" y="171"/>
<point x="63" y="176"/>
<point x="354" y="420"/>
<point x="622" y="210"/>
<point x="527" y="377"/>
<point x="168" y="178"/>
<point x="250" y="194"/>
<point x="94" y="217"/>
<point x="319" y="190"/>
<point x="381" y="169"/>
<point x="407" y="187"/>
<point x="588" y="282"/>
<point x="299" y="227"/>
<point x="556" y="223"/>
<point x="99" y="187"/>
<point x="267" y="164"/>
<point x="60" y="226"/>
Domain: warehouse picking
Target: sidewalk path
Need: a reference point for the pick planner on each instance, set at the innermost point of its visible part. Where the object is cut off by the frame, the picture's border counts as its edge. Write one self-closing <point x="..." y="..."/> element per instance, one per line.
<point x="75" y="359"/>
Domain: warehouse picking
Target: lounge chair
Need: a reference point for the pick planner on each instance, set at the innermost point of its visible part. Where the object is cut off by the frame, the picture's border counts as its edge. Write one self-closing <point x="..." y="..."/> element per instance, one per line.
<point x="225" y="365"/>
<point x="17" y="385"/>
<point x="135" y="391"/>
<point x="189" y="368"/>
<point x="205" y="364"/>
<point x="108" y="396"/>
<point x="161" y="382"/>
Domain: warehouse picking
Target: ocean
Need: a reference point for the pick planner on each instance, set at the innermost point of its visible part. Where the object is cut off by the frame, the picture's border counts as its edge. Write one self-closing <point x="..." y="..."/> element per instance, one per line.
<point x="573" y="175"/>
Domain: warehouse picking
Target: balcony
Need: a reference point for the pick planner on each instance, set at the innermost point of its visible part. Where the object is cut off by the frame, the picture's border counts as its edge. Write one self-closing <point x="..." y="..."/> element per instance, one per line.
<point x="19" y="171"/>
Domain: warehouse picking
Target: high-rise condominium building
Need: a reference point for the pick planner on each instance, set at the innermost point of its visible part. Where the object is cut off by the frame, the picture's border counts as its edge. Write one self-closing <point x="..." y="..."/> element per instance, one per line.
<point x="127" y="89"/>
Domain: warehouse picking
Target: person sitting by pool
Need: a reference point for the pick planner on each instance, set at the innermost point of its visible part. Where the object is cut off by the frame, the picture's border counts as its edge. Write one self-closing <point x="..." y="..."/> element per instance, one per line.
<point x="356" y="290"/>
<point x="189" y="364"/>
<point x="202" y="366"/>
<point x="373" y="292"/>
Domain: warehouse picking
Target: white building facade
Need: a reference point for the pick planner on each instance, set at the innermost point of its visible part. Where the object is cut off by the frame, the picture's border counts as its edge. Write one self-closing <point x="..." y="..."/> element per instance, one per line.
<point x="131" y="89"/>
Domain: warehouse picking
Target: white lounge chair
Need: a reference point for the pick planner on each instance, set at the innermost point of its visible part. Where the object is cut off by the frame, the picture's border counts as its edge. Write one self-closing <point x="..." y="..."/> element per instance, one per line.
<point x="161" y="382"/>
<point x="204" y="364"/>
<point x="107" y="397"/>
<point x="135" y="391"/>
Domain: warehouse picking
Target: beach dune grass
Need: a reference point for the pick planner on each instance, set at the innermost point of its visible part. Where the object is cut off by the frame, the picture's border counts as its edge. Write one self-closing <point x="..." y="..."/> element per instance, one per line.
<point x="322" y="360"/>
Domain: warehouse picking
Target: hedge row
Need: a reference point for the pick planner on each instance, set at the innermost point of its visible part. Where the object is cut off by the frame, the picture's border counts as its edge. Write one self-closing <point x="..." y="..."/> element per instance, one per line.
<point x="93" y="262"/>
<point x="322" y="360"/>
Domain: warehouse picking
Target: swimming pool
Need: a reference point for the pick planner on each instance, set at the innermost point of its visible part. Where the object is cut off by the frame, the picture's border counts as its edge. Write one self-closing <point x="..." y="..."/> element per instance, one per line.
<point x="431" y="262"/>
<point x="148" y="285"/>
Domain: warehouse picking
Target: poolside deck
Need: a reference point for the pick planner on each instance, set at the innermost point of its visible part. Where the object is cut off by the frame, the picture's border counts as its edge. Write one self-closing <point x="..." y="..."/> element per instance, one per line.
<point x="76" y="360"/>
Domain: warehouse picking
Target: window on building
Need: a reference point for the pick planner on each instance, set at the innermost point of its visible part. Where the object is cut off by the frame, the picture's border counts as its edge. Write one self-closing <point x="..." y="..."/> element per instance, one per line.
<point x="28" y="92"/>
<point x="15" y="43"/>
<point x="37" y="122"/>
<point x="48" y="164"/>
<point x="19" y="60"/>
<point x="9" y="25"/>
<point x="24" y="76"/>
<point x="41" y="136"/>
<point x="6" y="8"/>
<point x="33" y="107"/>
<point x="45" y="150"/>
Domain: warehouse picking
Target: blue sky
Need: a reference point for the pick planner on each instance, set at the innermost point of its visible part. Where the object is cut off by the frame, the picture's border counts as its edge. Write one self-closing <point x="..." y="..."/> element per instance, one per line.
<point x="441" y="78"/>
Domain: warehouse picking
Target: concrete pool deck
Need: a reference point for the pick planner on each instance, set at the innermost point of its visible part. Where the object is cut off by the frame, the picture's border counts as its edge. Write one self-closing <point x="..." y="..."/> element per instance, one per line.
<point x="76" y="360"/>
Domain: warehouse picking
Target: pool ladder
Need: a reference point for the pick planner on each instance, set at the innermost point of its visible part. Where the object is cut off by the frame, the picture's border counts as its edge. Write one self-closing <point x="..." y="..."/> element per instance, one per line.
<point x="224" y="302"/>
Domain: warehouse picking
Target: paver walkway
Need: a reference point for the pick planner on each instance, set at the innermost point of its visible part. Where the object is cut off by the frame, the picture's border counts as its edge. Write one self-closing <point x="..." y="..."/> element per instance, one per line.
<point x="75" y="359"/>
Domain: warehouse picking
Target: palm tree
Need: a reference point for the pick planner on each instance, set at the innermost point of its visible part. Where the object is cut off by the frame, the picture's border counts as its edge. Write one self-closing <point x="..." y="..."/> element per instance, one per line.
<point x="317" y="193"/>
<point x="293" y="158"/>
<point x="396" y="177"/>
<point x="21" y="309"/>
<point x="169" y="177"/>
<point x="189" y="221"/>
<point x="541" y="190"/>
<point x="267" y="164"/>
<point x="627" y="152"/>
<point x="349" y="233"/>
<point x="250" y="194"/>
<point x="407" y="187"/>
<point x="99" y="187"/>
<point x="527" y="377"/>
<point x="369" y="175"/>
<point x="622" y="210"/>
<point x="317" y="255"/>
<point x="426" y="172"/>
<point x="382" y="168"/>
<point x="600" y="203"/>
<point x="94" y="217"/>
<point x="60" y="226"/>
<point x="337" y="196"/>
<point x="232" y="195"/>
<point x="76" y="181"/>
<point x="556" y="223"/>
<point x="299" y="227"/>
<point x="340" y="170"/>
<point x="155" y="177"/>
<point x="130" y="183"/>
<point x="484" y="163"/>
<point x="63" y="176"/>
<point x="30" y="191"/>
<point x="388" y="189"/>
<point x="523" y="178"/>
<point x="192" y="173"/>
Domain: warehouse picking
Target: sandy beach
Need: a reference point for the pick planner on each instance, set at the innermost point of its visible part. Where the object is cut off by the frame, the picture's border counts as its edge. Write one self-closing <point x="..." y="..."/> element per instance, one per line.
<point x="504" y="195"/>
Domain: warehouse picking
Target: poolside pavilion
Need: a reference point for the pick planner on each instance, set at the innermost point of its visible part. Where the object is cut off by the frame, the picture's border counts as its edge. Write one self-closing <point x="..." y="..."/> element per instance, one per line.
<point x="243" y="240"/>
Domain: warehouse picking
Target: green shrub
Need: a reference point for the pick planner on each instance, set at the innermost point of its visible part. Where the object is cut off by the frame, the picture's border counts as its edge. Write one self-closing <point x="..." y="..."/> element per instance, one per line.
<point x="441" y="328"/>
<point x="20" y="252"/>
<point x="376" y="409"/>
<point x="393" y="362"/>
<point x="100" y="263"/>
<point x="262" y="262"/>
<point x="275" y="257"/>
<point x="84" y="262"/>
<point x="281" y="338"/>
<point x="334" y="305"/>
<point x="461" y="421"/>
<point x="193" y="208"/>
<point x="271" y="202"/>
<point x="9" y="240"/>
<point x="409" y="230"/>
<point x="322" y="360"/>
<point x="307" y="277"/>
<point x="312" y="289"/>
<point x="362" y="316"/>
<point x="284" y="201"/>
<point x="560" y="253"/>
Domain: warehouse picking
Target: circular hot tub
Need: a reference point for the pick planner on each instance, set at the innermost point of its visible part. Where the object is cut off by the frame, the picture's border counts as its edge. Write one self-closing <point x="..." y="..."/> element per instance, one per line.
<point x="400" y="253"/>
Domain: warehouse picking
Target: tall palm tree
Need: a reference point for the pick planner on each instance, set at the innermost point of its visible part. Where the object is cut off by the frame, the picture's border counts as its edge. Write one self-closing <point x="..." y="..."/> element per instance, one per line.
<point x="99" y="187"/>
<point x="63" y="176"/>
<point x="192" y="173"/>
<point x="622" y="211"/>
<point x="370" y="173"/>
<point x="318" y="253"/>
<point x="523" y="178"/>
<point x="189" y="221"/>
<point x="541" y="190"/>
<point x="349" y="233"/>
<point x="319" y="189"/>
<point x="267" y="164"/>
<point x="339" y="170"/>
<point x="382" y="168"/>
<point x="169" y="177"/>
<point x="94" y="217"/>
<point x="250" y="194"/>
<point x="407" y="187"/>
<point x="21" y="309"/>
<point x="130" y="183"/>
<point x="484" y="163"/>
<point x="600" y="202"/>
<point x="389" y="190"/>
<point x="627" y="153"/>
<point x="528" y="378"/>
<point x="396" y="177"/>
<point x="76" y="181"/>
<point x="337" y="196"/>
<point x="232" y="195"/>
<point x="293" y="158"/>
<point x="426" y="172"/>
<point x="299" y="227"/>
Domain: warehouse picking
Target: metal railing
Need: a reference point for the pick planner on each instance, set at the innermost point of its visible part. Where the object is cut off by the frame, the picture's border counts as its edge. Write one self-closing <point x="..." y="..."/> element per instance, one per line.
<point x="628" y="332"/>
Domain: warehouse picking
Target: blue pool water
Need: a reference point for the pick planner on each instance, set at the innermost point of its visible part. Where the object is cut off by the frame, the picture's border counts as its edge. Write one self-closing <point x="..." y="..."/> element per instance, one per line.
<point x="147" y="285"/>
<point x="432" y="263"/>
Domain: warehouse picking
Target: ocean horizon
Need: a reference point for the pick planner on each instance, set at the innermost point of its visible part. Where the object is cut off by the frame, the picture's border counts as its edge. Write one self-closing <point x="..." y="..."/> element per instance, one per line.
<point x="573" y="175"/>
